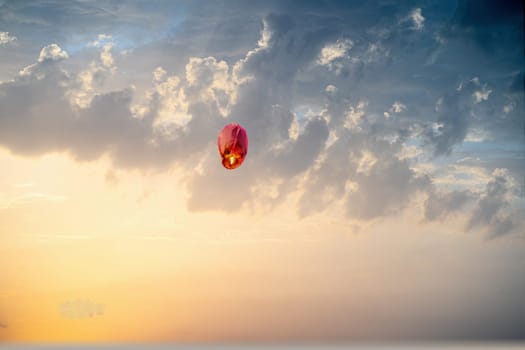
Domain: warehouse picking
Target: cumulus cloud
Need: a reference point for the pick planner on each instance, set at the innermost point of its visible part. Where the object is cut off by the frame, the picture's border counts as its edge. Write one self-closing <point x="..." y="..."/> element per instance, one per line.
<point x="101" y="38"/>
<point x="331" y="55"/>
<point x="370" y="181"/>
<point x="492" y="210"/>
<point x="39" y="110"/>
<point x="172" y="100"/>
<point x="342" y="152"/>
<point x="440" y="204"/>
<point x="83" y="89"/>
<point x="362" y="170"/>
<point x="482" y="95"/>
<point x="263" y="108"/>
<point x="52" y="52"/>
<point x="166" y="104"/>
<point x="453" y="118"/>
<point x="334" y="51"/>
<point x="211" y="80"/>
<point x="48" y="54"/>
<point x="398" y="107"/>
<point x="417" y="18"/>
<point x="330" y="89"/>
<point x="176" y="120"/>
<point x="6" y="38"/>
<point x="354" y="115"/>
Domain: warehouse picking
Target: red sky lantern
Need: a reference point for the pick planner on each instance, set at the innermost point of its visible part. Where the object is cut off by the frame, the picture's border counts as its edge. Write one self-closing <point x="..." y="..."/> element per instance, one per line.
<point x="233" y="145"/>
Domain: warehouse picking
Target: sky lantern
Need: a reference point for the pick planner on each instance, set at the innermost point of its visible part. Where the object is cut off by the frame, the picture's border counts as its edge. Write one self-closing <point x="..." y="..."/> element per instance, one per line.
<point x="233" y="145"/>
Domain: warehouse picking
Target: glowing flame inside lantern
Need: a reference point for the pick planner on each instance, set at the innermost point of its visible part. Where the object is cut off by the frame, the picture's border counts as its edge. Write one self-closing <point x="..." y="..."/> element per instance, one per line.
<point x="233" y="145"/>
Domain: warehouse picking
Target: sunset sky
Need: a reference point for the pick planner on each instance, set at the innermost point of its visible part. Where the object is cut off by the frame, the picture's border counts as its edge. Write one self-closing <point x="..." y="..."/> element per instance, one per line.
<point x="382" y="197"/>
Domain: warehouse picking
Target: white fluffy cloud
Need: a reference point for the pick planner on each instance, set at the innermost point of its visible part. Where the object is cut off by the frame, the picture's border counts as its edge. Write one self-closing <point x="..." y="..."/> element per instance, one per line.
<point x="417" y="18"/>
<point x="331" y="54"/>
<point x="482" y="95"/>
<point x="89" y="80"/>
<point x="354" y="115"/>
<point x="330" y="89"/>
<point x="210" y="79"/>
<point x="52" y="52"/>
<point x="398" y="107"/>
<point x="101" y="39"/>
<point x="205" y="80"/>
<point x="49" y="53"/>
<point x="6" y="38"/>
<point x="166" y="103"/>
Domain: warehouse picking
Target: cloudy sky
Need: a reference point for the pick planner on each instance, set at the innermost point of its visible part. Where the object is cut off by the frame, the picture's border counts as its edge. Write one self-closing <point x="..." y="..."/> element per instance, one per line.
<point x="382" y="197"/>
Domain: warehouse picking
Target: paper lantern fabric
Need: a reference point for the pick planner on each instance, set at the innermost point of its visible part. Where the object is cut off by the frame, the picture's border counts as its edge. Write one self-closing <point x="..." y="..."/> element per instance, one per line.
<point x="233" y="145"/>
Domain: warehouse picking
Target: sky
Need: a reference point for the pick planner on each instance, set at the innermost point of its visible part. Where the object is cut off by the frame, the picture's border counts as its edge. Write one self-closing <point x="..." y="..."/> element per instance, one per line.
<point x="382" y="197"/>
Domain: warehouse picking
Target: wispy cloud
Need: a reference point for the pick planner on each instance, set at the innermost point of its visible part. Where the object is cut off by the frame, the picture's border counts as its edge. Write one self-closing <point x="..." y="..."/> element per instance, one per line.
<point x="12" y="201"/>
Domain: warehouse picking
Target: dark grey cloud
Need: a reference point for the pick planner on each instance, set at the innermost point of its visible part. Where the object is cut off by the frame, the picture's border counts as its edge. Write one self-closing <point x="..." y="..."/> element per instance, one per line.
<point x="362" y="168"/>
<point x="453" y="118"/>
<point x="440" y="204"/>
<point x="386" y="190"/>
<point x="301" y="153"/>
<point x="348" y="149"/>
<point x="263" y="109"/>
<point x="40" y="118"/>
<point x="492" y="208"/>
